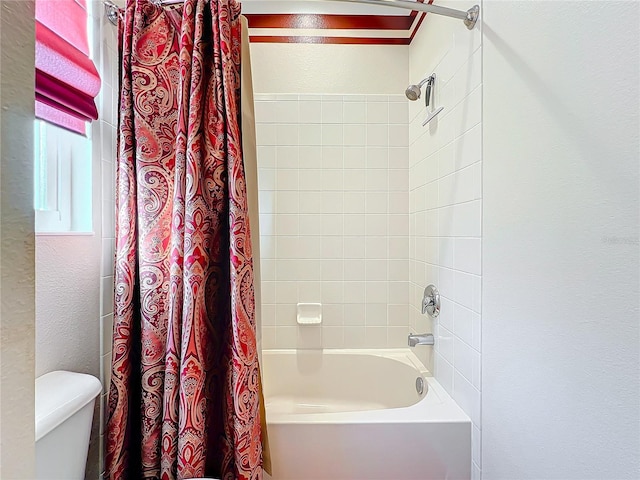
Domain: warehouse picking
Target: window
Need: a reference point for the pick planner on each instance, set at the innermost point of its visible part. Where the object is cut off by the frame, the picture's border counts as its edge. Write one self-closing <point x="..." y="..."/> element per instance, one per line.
<point x="63" y="178"/>
<point x="67" y="83"/>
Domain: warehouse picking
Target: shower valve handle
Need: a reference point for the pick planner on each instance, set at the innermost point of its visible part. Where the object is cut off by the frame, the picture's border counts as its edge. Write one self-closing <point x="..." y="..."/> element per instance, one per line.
<point x="431" y="301"/>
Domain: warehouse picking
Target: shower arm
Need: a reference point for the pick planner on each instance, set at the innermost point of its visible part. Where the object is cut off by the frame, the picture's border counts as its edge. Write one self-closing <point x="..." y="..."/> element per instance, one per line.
<point x="469" y="17"/>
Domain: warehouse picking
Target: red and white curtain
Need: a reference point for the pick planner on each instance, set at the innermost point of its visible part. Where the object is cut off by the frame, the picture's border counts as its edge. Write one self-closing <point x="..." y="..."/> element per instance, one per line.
<point x="184" y="399"/>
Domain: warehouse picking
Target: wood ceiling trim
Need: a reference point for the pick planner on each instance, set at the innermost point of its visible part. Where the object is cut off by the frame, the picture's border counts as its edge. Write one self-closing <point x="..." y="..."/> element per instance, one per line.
<point x="331" y="22"/>
<point x="410" y="23"/>
<point x="330" y="40"/>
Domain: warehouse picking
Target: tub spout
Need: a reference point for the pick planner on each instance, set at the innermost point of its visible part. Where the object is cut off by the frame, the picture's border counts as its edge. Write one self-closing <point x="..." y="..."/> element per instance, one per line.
<point x="424" y="339"/>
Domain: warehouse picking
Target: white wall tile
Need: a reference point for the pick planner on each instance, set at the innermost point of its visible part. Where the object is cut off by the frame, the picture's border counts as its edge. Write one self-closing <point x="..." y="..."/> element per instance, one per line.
<point x="310" y="156"/>
<point x="287" y="179"/>
<point x="463" y="320"/>
<point x="265" y="112"/>
<point x="265" y="134"/>
<point x="266" y="156"/>
<point x="285" y="314"/>
<point x="332" y="134"/>
<point x="308" y="135"/>
<point x="287" y="156"/>
<point x="106" y="371"/>
<point x="467" y="396"/>
<point x="355" y="337"/>
<point x="286" y="112"/>
<point x="309" y="288"/>
<point x="376" y="314"/>
<point x="309" y="111"/>
<point x="268" y="315"/>
<point x="106" y="333"/>
<point x="378" y="113"/>
<point x="399" y="113"/>
<point x="334" y="217"/>
<point x="376" y="337"/>
<point x="107" y="293"/>
<point x="354" y="315"/>
<point x="378" y="135"/>
<point x="355" y="112"/>
<point x="377" y="202"/>
<point x="476" y="452"/>
<point x="332" y="112"/>
<point x="445" y="344"/>
<point x="464" y="359"/>
<point x="355" y="269"/>
<point x="444" y="372"/>
<point x="354" y="157"/>
<point x="108" y="256"/>
<point x="398" y="136"/>
<point x="332" y="157"/>
<point x="468" y="255"/>
<point x="355" y="135"/>
<point x="376" y="292"/>
<point x="286" y="337"/>
<point x="309" y="337"/>
<point x="332" y="337"/>
<point x="268" y="337"/>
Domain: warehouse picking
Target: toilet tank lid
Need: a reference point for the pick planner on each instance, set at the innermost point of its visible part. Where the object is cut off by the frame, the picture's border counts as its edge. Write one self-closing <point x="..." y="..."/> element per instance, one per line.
<point x="59" y="395"/>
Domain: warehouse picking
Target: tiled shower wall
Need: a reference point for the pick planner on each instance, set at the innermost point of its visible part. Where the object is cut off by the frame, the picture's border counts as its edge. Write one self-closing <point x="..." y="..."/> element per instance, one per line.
<point x="334" y="218"/>
<point x="104" y="144"/>
<point x="446" y="210"/>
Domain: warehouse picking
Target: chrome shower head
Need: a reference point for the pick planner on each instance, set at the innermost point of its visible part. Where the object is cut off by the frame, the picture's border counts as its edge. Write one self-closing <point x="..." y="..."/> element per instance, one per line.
<point x="413" y="92"/>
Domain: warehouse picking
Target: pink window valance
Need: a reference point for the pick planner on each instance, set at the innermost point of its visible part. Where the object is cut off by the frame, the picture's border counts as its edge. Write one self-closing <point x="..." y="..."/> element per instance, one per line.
<point x="67" y="81"/>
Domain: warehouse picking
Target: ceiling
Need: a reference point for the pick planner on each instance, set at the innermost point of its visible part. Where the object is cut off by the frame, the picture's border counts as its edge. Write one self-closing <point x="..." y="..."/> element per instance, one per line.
<point x="327" y="21"/>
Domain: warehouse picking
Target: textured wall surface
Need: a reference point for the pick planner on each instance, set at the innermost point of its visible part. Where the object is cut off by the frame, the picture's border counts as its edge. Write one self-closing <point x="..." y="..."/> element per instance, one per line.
<point x="67" y="302"/>
<point x="560" y="333"/>
<point x="17" y="310"/>
<point x="325" y="69"/>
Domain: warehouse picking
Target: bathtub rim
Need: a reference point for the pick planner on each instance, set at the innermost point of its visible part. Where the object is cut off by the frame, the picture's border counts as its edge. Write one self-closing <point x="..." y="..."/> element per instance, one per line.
<point x="437" y="406"/>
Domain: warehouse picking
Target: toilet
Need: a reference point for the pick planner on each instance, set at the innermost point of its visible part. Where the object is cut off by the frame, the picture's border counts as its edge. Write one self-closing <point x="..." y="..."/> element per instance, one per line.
<point x="64" y="413"/>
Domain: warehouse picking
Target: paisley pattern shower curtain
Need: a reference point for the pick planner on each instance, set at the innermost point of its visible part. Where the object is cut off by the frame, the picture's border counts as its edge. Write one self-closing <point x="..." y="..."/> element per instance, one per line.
<point x="184" y="393"/>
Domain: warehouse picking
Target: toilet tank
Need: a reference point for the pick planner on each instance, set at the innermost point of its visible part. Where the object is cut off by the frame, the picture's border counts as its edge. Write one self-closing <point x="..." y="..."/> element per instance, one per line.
<point x="64" y="413"/>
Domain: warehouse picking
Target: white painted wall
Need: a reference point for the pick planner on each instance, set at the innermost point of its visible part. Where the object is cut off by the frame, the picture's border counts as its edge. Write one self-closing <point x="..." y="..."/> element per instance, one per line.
<point x="445" y="184"/>
<point x="324" y="68"/>
<point x="560" y="336"/>
<point x="67" y="303"/>
<point x="17" y="311"/>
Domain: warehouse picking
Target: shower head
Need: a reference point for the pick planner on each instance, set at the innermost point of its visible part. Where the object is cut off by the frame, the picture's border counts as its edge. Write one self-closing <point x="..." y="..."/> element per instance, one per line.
<point x="413" y="92"/>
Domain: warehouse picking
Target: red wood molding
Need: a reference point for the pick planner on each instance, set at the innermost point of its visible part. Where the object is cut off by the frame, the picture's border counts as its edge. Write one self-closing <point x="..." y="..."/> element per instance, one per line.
<point x="410" y="23"/>
<point x="330" y="40"/>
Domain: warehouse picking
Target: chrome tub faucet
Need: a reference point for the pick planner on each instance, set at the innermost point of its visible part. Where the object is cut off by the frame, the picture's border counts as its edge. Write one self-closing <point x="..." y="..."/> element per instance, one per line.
<point x="424" y="339"/>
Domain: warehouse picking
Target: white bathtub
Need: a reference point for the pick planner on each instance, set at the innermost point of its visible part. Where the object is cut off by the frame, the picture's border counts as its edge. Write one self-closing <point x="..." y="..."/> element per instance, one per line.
<point x="356" y="415"/>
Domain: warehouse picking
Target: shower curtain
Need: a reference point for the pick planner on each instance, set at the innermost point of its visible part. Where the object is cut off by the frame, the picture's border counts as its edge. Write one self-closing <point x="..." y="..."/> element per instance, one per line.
<point x="250" y="156"/>
<point x="184" y="399"/>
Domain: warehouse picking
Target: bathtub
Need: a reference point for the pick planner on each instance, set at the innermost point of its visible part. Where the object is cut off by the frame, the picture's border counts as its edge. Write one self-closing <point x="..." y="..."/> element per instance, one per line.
<point x="357" y="415"/>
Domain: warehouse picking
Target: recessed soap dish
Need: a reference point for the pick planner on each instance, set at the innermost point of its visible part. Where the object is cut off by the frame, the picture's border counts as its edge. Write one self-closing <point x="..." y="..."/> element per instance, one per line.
<point x="309" y="314"/>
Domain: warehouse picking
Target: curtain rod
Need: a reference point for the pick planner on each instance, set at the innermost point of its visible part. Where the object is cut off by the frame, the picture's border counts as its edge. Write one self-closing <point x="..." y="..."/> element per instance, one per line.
<point x="469" y="17"/>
